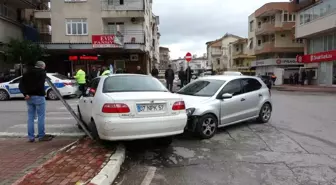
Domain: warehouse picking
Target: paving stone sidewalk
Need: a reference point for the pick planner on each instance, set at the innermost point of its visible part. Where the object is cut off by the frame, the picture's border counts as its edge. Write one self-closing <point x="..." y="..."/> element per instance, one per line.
<point x="80" y="163"/>
<point x="17" y="156"/>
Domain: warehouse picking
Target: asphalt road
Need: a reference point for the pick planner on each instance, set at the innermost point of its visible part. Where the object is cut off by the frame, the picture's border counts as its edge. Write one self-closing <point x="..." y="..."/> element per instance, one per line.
<point x="298" y="146"/>
<point x="59" y="122"/>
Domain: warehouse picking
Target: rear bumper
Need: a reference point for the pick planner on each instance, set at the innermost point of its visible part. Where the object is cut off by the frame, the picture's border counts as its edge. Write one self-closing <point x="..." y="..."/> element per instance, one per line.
<point x="115" y="128"/>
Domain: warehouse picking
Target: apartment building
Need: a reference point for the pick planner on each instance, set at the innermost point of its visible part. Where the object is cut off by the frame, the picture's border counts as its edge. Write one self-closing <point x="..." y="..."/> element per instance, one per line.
<point x="95" y="33"/>
<point x="164" y="58"/>
<point x="315" y="24"/>
<point x="14" y="23"/>
<point x="272" y="42"/>
<point x="240" y="60"/>
<point x="217" y="52"/>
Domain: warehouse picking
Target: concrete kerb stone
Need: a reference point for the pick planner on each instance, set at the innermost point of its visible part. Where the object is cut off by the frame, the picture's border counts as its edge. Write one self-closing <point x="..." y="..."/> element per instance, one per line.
<point x="110" y="171"/>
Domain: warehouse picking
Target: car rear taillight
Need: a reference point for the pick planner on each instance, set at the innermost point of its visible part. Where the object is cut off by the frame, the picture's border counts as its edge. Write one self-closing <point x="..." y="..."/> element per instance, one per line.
<point x="115" y="108"/>
<point x="179" y="105"/>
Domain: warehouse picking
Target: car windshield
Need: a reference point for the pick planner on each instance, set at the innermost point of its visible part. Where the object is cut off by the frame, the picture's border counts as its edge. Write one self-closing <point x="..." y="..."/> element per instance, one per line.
<point x="132" y="83"/>
<point x="202" y="87"/>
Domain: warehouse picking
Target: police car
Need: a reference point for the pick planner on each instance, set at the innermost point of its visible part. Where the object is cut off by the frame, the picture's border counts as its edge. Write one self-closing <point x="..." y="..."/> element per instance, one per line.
<point x="65" y="86"/>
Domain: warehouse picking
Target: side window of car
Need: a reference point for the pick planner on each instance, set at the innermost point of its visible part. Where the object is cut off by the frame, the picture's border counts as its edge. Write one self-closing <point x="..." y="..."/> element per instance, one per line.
<point x="233" y="87"/>
<point x="250" y="85"/>
<point x="16" y="81"/>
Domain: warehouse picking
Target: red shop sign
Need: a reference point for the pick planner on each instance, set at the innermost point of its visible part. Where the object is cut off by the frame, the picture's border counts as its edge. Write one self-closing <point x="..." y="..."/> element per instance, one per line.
<point x="72" y="58"/>
<point x="103" y="41"/>
<point x="317" y="57"/>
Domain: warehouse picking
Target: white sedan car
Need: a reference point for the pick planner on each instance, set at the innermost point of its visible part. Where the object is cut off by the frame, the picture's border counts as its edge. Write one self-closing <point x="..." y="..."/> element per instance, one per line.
<point x="130" y="107"/>
<point x="65" y="86"/>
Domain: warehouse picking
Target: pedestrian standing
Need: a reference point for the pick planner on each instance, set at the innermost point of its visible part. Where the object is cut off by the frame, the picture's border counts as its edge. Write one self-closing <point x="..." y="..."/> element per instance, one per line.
<point x="139" y="71"/>
<point x="273" y="78"/>
<point x="93" y="73"/>
<point x="169" y="76"/>
<point x="181" y="75"/>
<point x="81" y="80"/>
<point x="32" y="87"/>
<point x="296" y="78"/>
<point x="106" y="71"/>
<point x="188" y="74"/>
<point x="155" y="72"/>
<point x="303" y="77"/>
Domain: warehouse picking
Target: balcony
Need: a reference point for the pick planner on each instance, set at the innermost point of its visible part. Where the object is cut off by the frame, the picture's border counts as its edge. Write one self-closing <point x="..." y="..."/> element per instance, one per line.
<point x="216" y="52"/>
<point x="268" y="28"/>
<point x="42" y="14"/>
<point x="130" y="8"/>
<point x="127" y="36"/>
<point x="273" y="8"/>
<point x="44" y="30"/>
<point x="269" y="47"/>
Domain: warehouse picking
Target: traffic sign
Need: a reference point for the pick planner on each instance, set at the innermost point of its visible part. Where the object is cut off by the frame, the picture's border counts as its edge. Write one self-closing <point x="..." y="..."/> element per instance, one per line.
<point x="188" y="57"/>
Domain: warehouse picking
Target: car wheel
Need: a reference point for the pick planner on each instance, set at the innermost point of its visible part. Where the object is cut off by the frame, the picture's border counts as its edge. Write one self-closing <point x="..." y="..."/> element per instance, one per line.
<point x="265" y="113"/>
<point x="4" y="95"/>
<point x="51" y="95"/>
<point x="164" y="142"/>
<point x="93" y="129"/>
<point x="207" y="126"/>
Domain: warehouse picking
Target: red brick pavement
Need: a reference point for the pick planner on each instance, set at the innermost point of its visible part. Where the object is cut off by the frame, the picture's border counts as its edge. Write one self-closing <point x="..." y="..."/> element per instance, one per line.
<point x="17" y="156"/>
<point x="80" y="163"/>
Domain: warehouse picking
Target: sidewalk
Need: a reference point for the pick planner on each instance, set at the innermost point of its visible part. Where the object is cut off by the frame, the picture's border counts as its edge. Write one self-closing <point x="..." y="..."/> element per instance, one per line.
<point x="306" y="88"/>
<point x="17" y="156"/>
<point x="78" y="163"/>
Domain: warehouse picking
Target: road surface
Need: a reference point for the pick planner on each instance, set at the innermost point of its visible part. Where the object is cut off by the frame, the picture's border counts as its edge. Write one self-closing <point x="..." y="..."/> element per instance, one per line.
<point x="298" y="146"/>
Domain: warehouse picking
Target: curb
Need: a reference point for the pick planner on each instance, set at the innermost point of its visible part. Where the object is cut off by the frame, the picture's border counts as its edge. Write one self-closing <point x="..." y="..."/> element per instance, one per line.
<point x="107" y="175"/>
<point x="53" y="156"/>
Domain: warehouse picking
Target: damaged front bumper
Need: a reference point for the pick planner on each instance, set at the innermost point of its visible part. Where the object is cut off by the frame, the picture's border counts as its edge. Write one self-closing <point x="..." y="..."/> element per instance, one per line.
<point x="191" y="123"/>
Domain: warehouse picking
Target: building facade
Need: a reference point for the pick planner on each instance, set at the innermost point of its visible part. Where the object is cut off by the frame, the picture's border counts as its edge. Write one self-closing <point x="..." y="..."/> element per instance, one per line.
<point x="240" y="60"/>
<point x="164" y="58"/>
<point x="86" y="34"/>
<point x="272" y="42"/>
<point x="14" y="20"/>
<point x="315" y="24"/>
<point x="217" y="52"/>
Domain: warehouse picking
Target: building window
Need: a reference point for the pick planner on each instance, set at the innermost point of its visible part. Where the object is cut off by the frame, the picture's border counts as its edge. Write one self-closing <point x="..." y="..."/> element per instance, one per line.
<point x="259" y="42"/>
<point x="110" y="2"/>
<point x="218" y="60"/>
<point x="300" y="41"/>
<point x="76" y="27"/>
<point x="251" y="26"/>
<point x="115" y="27"/>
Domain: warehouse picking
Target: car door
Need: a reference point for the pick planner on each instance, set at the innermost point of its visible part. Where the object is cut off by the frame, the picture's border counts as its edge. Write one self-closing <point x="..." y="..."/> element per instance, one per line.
<point x="232" y="108"/>
<point x="13" y="88"/>
<point x="251" y="89"/>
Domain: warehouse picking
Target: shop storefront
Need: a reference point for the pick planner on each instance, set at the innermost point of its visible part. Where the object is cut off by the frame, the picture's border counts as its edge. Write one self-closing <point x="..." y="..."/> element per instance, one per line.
<point x="325" y="63"/>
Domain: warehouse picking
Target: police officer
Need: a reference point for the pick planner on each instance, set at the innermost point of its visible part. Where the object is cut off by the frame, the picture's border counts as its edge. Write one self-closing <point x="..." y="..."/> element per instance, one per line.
<point x="105" y="71"/>
<point x="81" y="80"/>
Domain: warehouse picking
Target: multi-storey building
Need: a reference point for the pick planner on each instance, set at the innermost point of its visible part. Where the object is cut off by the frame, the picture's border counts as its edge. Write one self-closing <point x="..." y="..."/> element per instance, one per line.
<point x="272" y="41"/>
<point x="87" y="33"/>
<point x="15" y="23"/>
<point x="315" y="24"/>
<point x="164" y="58"/>
<point x="239" y="59"/>
<point x="217" y="52"/>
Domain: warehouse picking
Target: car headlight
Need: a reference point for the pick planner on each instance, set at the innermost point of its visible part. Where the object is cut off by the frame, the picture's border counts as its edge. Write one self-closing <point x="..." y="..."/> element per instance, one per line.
<point x="190" y="111"/>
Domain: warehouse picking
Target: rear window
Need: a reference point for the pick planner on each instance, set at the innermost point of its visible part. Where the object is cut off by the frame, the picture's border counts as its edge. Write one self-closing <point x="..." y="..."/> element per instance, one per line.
<point x="61" y="77"/>
<point x="132" y="83"/>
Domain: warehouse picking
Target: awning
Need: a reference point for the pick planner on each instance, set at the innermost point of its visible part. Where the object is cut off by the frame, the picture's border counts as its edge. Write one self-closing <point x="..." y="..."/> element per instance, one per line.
<point x="325" y="56"/>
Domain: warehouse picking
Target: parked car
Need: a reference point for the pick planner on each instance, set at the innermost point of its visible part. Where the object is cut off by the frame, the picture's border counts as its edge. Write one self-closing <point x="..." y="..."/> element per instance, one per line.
<point x="218" y="101"/>
<point x="130" y="107"/>
<point x="66" y="87"/>
<point x="232" y="73"/>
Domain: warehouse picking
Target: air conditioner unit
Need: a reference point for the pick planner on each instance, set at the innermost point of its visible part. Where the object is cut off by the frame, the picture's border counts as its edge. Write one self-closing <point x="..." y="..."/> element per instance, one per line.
<point x="134" y="57"/>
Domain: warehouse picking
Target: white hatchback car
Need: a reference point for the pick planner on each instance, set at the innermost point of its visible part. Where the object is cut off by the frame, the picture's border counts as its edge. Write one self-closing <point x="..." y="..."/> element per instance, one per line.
<point x="130" y="107"/>
<point x="65" y="86"/>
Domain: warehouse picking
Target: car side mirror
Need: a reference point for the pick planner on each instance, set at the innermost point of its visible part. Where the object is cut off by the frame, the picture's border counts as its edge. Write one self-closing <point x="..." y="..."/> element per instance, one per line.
<point x="226" y="96"/>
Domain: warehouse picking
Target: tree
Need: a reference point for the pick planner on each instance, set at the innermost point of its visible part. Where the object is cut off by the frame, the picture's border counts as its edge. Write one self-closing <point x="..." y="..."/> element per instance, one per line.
<point x="24" y="51"/>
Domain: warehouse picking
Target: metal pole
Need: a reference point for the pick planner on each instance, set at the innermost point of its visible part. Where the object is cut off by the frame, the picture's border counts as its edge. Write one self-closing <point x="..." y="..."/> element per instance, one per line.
<point x="188" y="80"/>
<point x="58" y="94"/>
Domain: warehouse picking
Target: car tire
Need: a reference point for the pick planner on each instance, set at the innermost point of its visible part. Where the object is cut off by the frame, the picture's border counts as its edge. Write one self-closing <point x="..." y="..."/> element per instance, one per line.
<point x="265" y="113"/>
<point x="51" y="95"/>
<point x="93" y="129"/>
<point x="164" y="142"/>
<point x="207" y="126"/>
<point x="4" y="95"/>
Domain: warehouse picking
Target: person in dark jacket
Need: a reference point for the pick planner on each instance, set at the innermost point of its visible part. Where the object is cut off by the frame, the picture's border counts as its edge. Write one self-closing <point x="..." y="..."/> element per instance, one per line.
<point x="93" y="73"/>
<point x="139" y="71"/>
<point x="296" y="78"/>
<point x="32" y="87"/>
<point x="303" y="77"/>
<point x="182" y="77"/>
<point x="155" y="72"/>
<point x="188" y="74"/>
<point x="169" y="76"/>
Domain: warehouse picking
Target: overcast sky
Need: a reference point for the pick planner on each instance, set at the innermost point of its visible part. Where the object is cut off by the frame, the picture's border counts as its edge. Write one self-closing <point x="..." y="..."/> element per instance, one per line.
<point x="186" y="25"/>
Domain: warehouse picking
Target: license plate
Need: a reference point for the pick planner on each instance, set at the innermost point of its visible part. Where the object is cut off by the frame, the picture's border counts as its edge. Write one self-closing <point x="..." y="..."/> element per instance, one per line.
<point x="150" y="107"/>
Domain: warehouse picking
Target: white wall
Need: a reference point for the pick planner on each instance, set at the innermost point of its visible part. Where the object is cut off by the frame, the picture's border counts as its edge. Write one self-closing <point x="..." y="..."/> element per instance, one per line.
<point x="9" y="30"/>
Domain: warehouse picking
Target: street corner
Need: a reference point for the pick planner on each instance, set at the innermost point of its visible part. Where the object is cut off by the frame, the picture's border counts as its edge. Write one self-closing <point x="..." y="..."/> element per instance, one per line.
<point x="83" y="162"/>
